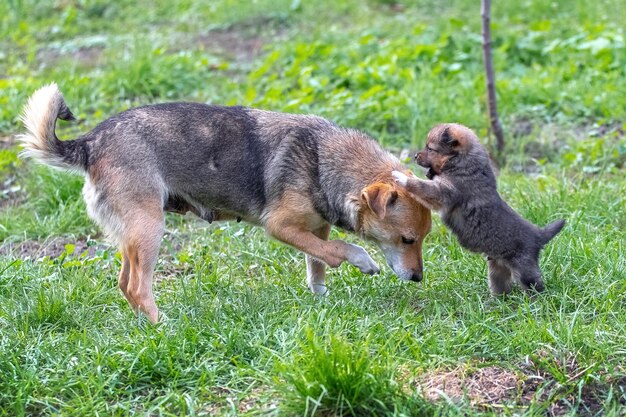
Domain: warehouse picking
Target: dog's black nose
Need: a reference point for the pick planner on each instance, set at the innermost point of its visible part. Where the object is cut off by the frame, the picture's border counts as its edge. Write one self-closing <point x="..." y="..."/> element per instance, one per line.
<point x="417" y="277"/>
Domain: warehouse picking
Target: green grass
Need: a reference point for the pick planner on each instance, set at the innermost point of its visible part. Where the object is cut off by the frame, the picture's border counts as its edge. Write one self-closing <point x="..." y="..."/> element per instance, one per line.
<point x="241" y="334"/>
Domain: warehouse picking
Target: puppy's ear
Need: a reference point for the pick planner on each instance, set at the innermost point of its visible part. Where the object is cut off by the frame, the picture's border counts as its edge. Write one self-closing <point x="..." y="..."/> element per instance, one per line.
<point x="447" y="138"/>
<point x="378" y="197"/>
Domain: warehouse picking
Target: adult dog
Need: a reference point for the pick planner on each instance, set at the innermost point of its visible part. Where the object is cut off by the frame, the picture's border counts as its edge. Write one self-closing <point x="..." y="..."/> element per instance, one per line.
<point x="295" y="175"/>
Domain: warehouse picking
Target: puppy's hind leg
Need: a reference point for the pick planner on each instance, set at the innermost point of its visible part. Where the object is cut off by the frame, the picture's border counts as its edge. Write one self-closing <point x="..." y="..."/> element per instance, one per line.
<point x="500" y="278"/>
<point x="315" y="269"/>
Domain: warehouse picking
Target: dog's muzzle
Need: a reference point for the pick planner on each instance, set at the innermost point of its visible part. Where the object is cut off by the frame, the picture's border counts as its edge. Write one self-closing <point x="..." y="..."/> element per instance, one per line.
<point x="416" y="277"/>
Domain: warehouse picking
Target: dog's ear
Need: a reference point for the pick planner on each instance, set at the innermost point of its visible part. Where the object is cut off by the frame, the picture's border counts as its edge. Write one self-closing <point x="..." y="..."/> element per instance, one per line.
<point x="378" y="197"/>
<point x="448" y="139"/>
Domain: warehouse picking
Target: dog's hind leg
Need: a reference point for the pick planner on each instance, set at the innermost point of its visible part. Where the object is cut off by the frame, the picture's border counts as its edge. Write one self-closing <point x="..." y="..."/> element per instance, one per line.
<point x="500" y="278"/>
<point x="125" y="275"/>
<point x="128" y="205"/>
<point x="140" y="246"/>
<point x="315" y="269"/>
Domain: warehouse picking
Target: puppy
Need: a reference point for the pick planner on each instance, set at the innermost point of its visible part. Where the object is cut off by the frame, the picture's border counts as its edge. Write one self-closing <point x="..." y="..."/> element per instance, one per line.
<point x="463" y="190"/>
<point x="294" y="175"/>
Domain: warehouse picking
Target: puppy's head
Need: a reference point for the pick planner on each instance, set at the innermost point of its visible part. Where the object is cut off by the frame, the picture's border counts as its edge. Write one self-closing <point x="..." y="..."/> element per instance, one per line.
<point x="397" y="224"/>
<point x="446" y="146"/>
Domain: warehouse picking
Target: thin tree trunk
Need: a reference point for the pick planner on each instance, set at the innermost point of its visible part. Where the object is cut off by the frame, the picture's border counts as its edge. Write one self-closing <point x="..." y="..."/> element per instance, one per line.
<point x="496" y="126"/>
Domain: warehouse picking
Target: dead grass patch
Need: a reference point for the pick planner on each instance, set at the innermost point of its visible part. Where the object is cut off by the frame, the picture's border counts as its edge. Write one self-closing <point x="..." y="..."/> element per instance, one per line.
<point x="492" y="388"/>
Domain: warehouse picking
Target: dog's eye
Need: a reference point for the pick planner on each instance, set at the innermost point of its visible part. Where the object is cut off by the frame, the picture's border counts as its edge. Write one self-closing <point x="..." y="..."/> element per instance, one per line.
<point x="407" y="240"/>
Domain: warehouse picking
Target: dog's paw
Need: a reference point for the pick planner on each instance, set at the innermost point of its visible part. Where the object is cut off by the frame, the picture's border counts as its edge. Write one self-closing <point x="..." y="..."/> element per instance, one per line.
<point x="400" y="178"/>
<point x="361" y="259"/>
<point x="319" y="289"/>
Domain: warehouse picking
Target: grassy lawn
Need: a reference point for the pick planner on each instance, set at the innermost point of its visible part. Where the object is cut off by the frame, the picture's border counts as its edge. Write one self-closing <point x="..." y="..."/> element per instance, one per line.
<point x="241" y="334"/>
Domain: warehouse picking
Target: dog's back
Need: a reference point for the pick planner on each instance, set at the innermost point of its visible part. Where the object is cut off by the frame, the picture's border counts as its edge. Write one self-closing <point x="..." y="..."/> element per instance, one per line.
<point x="207" y="159"/>
<point x="228" y="159"/>
<point x="209" y="156"/>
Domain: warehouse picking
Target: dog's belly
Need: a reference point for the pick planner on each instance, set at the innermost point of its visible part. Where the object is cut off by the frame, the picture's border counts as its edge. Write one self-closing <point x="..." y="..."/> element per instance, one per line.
<point x="209" y="183"/>
<point x="207" y="212"/>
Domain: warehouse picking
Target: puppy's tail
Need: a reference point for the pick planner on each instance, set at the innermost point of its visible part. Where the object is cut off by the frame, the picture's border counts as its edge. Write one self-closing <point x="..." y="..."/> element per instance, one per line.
<point x="40" y="114"/>
<point x="551" y="230"/>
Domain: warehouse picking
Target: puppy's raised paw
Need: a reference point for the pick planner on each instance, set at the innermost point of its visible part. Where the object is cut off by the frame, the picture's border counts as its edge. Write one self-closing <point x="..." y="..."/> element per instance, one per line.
<point x="358" y="257"/>
<point x="400" y="178"/>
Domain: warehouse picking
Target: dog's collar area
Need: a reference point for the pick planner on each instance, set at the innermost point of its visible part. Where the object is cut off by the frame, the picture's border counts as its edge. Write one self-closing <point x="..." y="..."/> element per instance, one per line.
<point x="358" y="224"/>
<point x="341" y="223"/>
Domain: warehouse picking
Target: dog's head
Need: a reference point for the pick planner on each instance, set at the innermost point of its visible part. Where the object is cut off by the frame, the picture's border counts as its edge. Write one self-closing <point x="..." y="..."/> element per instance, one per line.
<point x="397" y="224"/>
<point x="446" y="146"/>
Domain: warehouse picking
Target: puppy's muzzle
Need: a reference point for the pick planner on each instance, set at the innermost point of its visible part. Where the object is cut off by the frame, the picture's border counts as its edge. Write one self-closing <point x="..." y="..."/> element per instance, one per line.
<point x="421" y="160"/>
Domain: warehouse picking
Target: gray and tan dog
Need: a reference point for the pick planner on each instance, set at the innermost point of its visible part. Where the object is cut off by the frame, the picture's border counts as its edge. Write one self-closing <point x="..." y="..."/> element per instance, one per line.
<point x="294" y="175"/>
<point x="463" y="189"/>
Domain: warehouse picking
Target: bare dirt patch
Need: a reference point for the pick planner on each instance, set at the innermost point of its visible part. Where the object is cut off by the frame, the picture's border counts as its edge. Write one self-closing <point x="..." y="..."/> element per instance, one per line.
<point x="88" y="56"/>
<point x="9" y="190"/>
<point x="52" y="248"/>
<point x="7" y="142"/>
<point x="523" y="126"/>
<point x="549" y="140"/>
<point x="232" y="45"/>
<point x="252" y="401"/>
<point x="10" y="194"/>
<point x="496" y="388"/>
<point x="244" y="41"/>
<point x="483" y="386"/>
<point x="55" y="247"/>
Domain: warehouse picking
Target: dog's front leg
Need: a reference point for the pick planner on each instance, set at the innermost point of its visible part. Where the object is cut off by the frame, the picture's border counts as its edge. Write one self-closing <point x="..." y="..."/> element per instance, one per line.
<point x="316" y="269"/>
<point x="294" y="221"/>
<point x="333" y="253"/>
<point x="430" y="193"/>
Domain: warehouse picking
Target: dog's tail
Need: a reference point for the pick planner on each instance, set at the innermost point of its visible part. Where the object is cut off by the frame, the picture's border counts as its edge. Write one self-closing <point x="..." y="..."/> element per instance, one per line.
<point x="551" y="230"/>
<point x="40" y="114"/>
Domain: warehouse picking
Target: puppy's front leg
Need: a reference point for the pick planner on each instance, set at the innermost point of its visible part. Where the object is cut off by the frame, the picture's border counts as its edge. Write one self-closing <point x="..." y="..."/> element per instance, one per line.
<point x="429" y="193"/>
<point x="500" y="278"/>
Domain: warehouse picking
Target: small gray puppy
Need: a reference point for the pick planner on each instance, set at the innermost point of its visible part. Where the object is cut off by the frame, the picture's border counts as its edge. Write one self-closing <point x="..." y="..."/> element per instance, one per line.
<point x="463" y="190"/>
